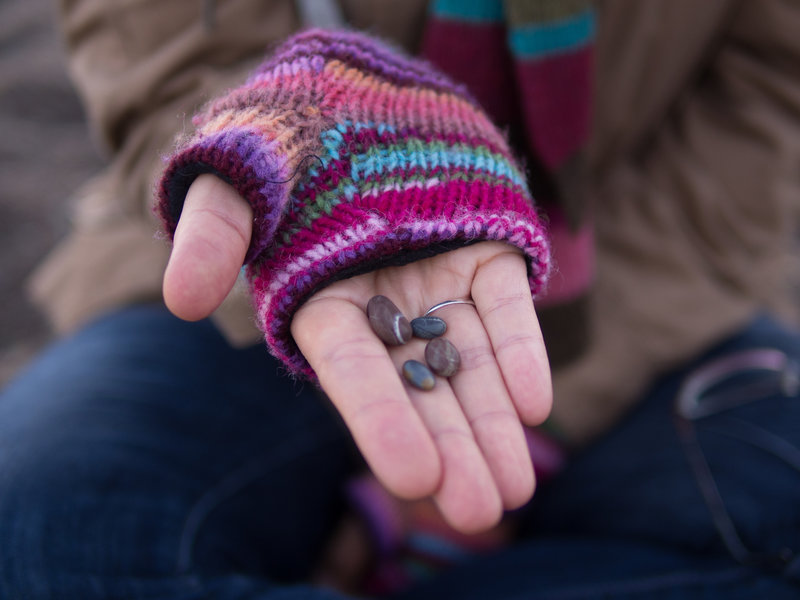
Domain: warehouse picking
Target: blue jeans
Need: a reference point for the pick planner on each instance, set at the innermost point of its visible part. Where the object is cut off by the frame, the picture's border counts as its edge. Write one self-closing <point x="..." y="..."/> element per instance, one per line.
<point x="145" y="458"/>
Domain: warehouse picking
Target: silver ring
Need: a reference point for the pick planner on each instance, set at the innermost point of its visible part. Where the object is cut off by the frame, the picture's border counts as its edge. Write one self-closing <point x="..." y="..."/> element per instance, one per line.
<point x="436" y="307"/>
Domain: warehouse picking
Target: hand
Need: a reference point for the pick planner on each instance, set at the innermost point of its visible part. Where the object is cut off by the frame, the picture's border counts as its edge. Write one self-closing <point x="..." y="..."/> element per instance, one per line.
<point x="461" y="443"/>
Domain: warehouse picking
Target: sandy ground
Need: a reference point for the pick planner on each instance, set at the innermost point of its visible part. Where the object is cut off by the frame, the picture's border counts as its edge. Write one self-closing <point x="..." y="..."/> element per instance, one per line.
<point x="45" y="154"/>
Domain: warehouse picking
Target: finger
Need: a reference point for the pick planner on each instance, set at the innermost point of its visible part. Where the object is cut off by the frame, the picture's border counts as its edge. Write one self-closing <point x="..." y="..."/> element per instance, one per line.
<point x="503" y="299"/>
<point x="467" y="497"/>
<point x="210" y="244"/>
<point x="356" y="372"/>
<point x="486" y="404"/>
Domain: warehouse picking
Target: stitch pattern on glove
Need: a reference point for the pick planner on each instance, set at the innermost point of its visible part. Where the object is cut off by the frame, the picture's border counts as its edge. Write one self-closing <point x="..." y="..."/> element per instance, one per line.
<point x="408" y="163"/>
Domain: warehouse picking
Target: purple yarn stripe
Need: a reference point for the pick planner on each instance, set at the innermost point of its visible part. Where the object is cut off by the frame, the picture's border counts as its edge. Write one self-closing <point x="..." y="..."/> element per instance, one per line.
<point x="251" y="165"/>
<point x="366" y="54"/>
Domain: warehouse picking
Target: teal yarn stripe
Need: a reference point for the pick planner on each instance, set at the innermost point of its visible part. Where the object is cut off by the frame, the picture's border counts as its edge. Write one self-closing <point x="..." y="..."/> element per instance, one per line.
<point x="480" y="11"/>
<point x="411" y="153"/>
<point x="428" y="157"/>
<point x="557" y="37"/>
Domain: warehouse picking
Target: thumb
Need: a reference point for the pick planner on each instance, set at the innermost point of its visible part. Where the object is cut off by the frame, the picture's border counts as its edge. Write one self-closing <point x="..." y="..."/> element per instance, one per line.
<point x="210" y="244"/>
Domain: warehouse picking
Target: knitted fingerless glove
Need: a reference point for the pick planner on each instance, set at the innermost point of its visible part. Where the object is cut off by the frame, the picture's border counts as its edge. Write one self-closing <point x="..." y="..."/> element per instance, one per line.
<point x="353" y="157"/>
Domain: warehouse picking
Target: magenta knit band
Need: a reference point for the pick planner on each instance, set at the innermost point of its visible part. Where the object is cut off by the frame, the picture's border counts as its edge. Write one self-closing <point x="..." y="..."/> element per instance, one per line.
<point x="404" y="164"/>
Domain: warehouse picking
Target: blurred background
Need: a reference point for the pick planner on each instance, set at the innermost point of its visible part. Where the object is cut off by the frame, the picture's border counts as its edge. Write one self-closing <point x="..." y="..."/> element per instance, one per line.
<point x="45" y="154"/>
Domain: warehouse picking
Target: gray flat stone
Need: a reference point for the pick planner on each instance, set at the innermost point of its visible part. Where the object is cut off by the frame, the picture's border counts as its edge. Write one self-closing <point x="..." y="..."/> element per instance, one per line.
<point x="428" y="328"/>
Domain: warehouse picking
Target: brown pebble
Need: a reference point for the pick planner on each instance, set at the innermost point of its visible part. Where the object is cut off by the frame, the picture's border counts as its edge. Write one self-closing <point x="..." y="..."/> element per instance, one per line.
<point x="442" y="357"/>
<point x="428" y="328"/>
<point x="418" y="375"/>
<point x="387" y="321"/>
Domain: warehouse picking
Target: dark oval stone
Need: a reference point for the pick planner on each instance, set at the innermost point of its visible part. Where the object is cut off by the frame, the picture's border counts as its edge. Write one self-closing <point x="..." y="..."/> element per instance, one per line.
<point x="442" y="357"/>
<point x="418" y="375"/>
<point x="428" y="328"/>
<point x="387" y="321"/>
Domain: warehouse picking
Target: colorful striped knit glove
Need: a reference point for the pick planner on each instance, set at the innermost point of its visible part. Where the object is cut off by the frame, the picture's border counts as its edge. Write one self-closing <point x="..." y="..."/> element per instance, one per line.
<point x="353" y="157"/>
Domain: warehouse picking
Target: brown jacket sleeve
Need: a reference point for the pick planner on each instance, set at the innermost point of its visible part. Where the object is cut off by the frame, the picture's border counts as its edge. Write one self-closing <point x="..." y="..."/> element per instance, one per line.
<point x="696" y="189"/>
<point x="142" y="68"/>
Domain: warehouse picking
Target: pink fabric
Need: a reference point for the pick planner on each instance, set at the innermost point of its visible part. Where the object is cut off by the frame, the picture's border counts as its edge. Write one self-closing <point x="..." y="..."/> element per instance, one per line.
<point x="557" y="124"/>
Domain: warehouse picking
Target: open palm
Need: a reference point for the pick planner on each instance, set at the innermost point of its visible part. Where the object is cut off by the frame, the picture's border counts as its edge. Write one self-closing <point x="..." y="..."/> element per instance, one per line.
<point x="462" y="442"/>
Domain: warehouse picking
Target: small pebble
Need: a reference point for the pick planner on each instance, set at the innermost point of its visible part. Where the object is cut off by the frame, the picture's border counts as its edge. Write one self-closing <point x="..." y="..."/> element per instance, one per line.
<point x="418" y="375"/>
<point x="387" y="321"/>
<point x="442" y="357"/>
<point x="428" y="328"/>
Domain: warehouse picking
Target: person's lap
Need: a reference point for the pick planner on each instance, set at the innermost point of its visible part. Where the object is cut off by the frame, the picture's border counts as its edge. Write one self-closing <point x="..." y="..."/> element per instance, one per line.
<point x="144" y="455"/>
<point x="144" y="458"/>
